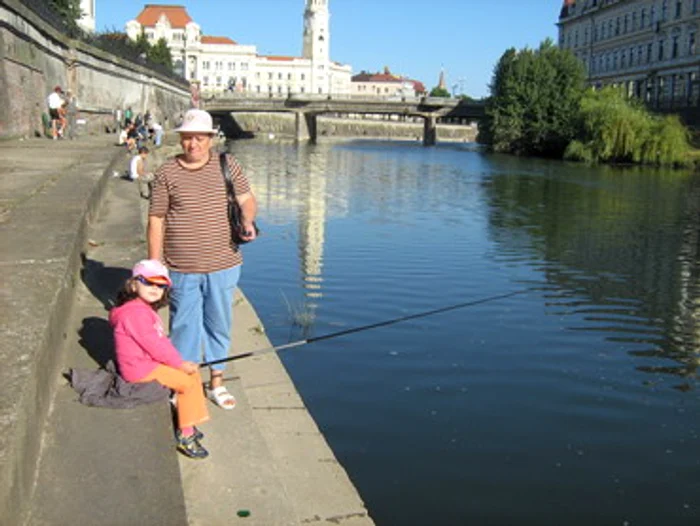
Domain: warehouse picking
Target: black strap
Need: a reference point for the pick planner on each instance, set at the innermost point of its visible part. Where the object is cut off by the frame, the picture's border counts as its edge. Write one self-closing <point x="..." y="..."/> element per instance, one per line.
<point x="226" y="172"/>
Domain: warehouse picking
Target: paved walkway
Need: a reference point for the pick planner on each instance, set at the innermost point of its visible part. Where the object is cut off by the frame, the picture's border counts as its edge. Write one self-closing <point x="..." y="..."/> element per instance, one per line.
<point x="99" y="466"/>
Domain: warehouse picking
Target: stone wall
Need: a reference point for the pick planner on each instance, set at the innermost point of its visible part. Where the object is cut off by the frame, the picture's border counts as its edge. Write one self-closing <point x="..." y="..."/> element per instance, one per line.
<point x="283" y="124"/>
<point x="34" y="58"/>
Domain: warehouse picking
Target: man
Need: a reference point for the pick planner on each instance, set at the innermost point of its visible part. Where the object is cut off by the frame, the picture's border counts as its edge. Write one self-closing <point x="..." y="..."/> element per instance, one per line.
<point x="188" y="228"/>
<point x="55" y="103"/>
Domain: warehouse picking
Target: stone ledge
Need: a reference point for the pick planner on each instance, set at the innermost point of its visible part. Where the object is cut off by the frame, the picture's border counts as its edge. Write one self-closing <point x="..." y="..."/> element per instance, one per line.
<point x="43" y="235"/>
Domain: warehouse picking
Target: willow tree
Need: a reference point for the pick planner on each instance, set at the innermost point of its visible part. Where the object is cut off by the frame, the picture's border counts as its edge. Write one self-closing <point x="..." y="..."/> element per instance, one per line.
<point x="617" y="129"/>
<point x="534" y="101"/>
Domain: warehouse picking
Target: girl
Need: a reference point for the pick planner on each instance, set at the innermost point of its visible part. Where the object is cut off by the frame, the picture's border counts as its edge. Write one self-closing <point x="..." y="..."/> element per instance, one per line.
<point x="144" y="353"/>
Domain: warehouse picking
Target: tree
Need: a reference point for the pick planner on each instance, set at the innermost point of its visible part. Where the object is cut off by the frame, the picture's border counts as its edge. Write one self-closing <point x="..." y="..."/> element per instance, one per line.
<point x="614" y="128"/>
<point x="142" y="45"/>
<point x="437" y="91"/>
<point x="533" y="105"/>
<point x="69" y="10"/>
<point x="160" y="54"/>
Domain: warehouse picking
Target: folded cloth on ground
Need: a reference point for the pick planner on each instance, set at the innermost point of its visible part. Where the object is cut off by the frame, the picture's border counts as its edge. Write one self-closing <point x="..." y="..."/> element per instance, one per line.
<point x="105" y="388"/>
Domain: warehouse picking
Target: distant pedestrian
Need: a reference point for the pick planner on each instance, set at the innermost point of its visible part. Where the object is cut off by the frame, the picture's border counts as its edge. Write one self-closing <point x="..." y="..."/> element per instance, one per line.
<point x="137" y="165"/>
<point x="128" y="115"/>
<point x="55" y="102"/>
<point x="145" y="354"/>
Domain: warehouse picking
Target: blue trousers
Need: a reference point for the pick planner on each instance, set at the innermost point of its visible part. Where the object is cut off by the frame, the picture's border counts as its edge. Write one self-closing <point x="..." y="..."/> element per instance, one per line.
<point x="201" y="313"/>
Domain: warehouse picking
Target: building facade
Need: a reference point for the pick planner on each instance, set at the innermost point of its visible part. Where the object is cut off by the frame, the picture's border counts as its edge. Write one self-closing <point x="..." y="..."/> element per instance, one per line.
<point x="220" y="64"/>
<point x="648" y="46"/>
<point x="385" y="85"/>
<point x="87" y="20"/>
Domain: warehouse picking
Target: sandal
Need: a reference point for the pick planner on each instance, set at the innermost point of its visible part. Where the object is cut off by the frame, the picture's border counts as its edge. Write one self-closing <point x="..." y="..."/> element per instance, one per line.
<point x="221" y="397"/>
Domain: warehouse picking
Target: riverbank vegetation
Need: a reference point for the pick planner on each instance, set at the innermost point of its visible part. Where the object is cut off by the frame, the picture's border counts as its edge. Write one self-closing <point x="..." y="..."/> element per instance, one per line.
<point x="540" y="105"/>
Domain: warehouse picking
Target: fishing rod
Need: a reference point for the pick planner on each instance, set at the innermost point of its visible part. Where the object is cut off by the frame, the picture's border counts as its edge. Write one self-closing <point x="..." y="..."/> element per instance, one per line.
<point x="299" y="343"/>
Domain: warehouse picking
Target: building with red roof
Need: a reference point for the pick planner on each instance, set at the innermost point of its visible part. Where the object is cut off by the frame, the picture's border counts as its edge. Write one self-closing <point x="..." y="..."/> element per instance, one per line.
<point x="219" y="63"/>
<point x="385" y="84"/>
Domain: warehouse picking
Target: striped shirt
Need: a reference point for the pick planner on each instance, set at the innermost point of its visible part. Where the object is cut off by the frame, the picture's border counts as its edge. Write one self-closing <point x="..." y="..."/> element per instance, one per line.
<point x="197" y="237"/>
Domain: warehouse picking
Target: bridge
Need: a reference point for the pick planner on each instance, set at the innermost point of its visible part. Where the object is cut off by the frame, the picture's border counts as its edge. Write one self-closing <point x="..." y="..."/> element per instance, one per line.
<point x="307" y="107"/>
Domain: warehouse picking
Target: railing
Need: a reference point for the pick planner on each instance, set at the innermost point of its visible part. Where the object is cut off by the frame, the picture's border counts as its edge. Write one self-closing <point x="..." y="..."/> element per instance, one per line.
<point x="116" y="46"/>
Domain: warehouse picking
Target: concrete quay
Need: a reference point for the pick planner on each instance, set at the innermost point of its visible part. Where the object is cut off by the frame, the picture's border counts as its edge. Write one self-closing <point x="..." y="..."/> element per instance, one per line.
<point x="69" y="233"/>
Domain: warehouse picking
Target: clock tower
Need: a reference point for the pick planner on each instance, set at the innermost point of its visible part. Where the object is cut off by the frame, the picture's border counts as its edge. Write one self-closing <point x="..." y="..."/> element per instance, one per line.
<point x="317" y="43"/>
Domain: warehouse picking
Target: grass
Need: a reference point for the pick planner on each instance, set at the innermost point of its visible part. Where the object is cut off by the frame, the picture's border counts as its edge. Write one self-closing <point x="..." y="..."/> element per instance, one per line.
<point x="301" y="315"/>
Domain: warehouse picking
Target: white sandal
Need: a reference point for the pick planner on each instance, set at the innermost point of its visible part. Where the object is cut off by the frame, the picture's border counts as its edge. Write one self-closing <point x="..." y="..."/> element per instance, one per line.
<point x="221" y="397"/>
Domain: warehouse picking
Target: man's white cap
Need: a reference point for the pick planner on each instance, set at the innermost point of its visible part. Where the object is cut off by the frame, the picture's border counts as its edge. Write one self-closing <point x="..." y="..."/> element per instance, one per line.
<point x="196" y="121"/>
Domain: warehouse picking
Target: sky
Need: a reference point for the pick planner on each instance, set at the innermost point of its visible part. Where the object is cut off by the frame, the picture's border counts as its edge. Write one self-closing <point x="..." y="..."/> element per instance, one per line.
<point x="413" y="38"/>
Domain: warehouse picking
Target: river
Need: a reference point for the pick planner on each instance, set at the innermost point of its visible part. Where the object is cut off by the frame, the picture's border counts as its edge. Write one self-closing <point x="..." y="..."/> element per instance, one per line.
<point x="573" y="400"/>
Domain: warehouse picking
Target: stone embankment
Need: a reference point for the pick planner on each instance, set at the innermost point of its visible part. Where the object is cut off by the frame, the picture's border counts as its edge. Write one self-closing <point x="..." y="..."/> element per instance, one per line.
<point x="70" y="231"/>
<point x="35" y="57"/>
<point x="283" y="125"/>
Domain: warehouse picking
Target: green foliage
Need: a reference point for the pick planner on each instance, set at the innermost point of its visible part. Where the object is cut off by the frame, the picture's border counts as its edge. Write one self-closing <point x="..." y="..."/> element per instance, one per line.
<point x="142" y="44"/>
<point x="437" y="91"/>
<point x="616" y="129"/>
<point x="534" y="100"/>
<point x="160" y="54"/>
<point x="69" y="10"/>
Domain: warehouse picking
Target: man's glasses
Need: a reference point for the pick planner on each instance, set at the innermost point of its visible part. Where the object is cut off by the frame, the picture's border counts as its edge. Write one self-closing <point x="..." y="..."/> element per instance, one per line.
<point x="144" y="281"/>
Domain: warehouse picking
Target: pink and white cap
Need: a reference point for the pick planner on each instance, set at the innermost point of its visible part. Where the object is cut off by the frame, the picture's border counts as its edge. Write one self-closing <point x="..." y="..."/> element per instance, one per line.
<point x="153" y="270"/>
<point x="196" y="121"/>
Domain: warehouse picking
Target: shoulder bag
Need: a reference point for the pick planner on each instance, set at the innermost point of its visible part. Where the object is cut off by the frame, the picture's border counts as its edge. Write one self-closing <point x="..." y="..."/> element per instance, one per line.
<point x="234" y="210"/>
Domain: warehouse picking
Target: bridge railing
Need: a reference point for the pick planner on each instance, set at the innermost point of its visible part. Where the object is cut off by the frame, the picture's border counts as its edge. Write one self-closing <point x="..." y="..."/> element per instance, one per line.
<point x="312" y="97"/>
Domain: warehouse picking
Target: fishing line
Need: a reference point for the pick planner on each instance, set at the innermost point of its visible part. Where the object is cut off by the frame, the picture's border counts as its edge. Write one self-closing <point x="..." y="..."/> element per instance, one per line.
<point x="298" y="343"/>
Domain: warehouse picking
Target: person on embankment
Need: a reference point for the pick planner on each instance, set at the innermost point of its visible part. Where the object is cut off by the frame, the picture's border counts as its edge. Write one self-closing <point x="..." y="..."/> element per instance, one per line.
<point x="189" y="229"/>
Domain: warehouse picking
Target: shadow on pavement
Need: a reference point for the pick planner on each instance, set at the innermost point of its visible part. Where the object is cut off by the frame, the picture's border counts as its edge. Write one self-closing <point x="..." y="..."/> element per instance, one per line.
<point x="96" y="338"/>
<point x="103" y="282"/>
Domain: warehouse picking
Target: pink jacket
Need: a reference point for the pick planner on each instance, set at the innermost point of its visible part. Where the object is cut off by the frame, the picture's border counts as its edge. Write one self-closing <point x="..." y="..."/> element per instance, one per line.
<point x="140" y="341"/>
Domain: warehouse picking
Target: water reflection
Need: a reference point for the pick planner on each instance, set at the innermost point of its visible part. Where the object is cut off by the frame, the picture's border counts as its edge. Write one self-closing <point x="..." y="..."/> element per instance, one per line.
<point x="543" y="396"/>
<point x="621" y="244"/>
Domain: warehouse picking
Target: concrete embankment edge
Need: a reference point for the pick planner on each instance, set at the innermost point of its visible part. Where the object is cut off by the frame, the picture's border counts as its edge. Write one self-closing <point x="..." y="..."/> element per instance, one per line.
<point x="268" y="456"/>
<point x="43" y="236"/>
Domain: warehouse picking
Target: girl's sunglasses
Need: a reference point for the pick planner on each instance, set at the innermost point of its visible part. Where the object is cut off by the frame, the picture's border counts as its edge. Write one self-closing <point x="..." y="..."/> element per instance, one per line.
<point x="144" y="281"/>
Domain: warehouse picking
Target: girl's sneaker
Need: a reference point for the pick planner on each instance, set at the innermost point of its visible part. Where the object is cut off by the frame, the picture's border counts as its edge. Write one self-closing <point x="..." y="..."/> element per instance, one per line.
<point x="190" y="447"/>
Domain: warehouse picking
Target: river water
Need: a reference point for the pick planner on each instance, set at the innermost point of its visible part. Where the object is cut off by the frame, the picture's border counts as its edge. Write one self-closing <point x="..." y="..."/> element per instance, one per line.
<point x="573" y="400"/>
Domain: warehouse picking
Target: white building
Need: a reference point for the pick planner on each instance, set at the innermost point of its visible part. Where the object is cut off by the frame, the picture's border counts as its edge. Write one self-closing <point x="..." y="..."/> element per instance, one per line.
<point x="219" y="63"/>
<point x="648" y="46"/>
<point x="87" y="20"/>
<point x="385" y="85"/>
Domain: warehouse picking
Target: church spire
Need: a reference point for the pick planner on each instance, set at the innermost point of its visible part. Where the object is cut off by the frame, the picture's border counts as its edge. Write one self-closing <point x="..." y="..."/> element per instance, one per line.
<point x="441" y="82"/>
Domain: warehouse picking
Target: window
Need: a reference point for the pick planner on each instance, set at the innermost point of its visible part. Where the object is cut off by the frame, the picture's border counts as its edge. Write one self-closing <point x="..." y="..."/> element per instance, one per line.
<point x="218" y="81"/>
<point x="661" y="50"/>
<point x="269" y="76"/>
<point x="289" y="76"/>
<point x="244" y="66"/>
<point x="664" y="8"/>
<point x="232" y="66"/>
<point x="205" y="64"/>
<point x="624" y="24"/>
<point x="642" y="18"/>
<point x="674" y="47"/>
<point x="279" y="76"/>
<point x="691" y="44"/>
<point x="205" y="80"/>
<point x="634" y="21"/>
<point x="649" y="51"/>
<point x="679" y="8"/>
<point x="303" y="76"/>
<point x="623" y="60"/>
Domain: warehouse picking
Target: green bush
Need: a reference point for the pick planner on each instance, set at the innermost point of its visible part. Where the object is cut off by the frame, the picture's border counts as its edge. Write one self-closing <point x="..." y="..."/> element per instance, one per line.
<point x="616" y="129"/>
